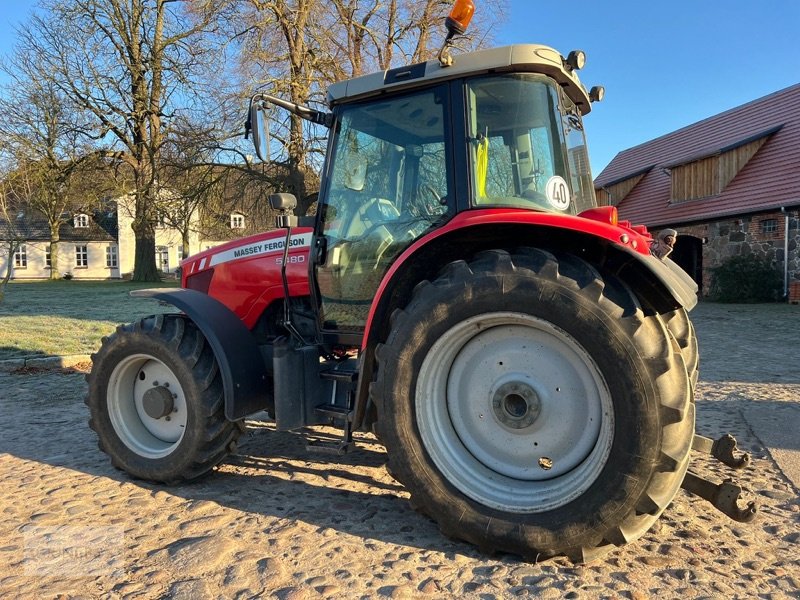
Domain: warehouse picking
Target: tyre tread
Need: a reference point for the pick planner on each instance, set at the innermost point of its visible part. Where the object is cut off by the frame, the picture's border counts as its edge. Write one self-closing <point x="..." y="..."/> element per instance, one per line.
<point x="190" y="347"/>
<point x="665" y="368"/>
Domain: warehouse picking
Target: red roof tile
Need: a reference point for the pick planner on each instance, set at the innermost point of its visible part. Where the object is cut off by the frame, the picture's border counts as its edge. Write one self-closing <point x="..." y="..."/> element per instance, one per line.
<point x="770" y="179"/>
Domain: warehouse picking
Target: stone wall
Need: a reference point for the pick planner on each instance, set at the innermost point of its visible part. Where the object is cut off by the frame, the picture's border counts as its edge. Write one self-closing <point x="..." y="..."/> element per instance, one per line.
<point x="761" y="234"/>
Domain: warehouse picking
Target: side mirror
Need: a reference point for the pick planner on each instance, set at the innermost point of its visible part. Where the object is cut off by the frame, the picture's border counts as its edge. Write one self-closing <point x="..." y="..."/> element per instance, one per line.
<point x="258" y="125"/>
<point x="285" y="204"/>
<point x="258" y="113"/>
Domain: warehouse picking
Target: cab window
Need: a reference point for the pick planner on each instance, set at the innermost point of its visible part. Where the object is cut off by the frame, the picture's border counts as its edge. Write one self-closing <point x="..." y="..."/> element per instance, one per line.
<point x="389" y="185"/>
<point x="527" y="147"/>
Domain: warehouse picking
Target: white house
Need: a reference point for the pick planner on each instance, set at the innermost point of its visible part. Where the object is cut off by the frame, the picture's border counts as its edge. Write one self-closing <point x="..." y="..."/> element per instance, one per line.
<point x="102" y="245"/>
<point x="87" y="249"/>
<point x="170" y="246"/>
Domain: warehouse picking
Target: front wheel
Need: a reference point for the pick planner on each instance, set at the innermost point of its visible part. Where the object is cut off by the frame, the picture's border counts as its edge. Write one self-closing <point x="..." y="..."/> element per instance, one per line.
<point x="529" y="406"/>
<point x="156" y="401"/>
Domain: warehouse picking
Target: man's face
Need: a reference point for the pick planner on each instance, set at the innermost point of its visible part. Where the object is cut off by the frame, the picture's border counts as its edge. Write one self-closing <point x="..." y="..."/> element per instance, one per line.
<point x="670" y="240"/>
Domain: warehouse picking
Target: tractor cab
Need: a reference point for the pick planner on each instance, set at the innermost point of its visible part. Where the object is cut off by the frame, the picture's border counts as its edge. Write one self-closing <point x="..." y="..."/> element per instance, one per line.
<point x="412" y="148"/>
<point x="403" y="165"/>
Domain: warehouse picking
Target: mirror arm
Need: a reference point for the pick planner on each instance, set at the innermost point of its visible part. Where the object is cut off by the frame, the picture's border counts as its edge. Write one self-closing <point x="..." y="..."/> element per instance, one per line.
<point x="248" y="126"/>
<point x="309" y="114"/>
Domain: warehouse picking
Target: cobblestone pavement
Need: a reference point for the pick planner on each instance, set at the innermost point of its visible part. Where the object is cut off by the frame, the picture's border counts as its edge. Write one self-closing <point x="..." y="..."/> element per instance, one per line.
<point x="277" y="522"/>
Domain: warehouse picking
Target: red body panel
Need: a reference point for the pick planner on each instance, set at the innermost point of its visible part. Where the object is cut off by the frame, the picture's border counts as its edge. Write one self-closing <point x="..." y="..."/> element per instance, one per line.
<point x="247" y="271"/>
<point x="617" y="234"/>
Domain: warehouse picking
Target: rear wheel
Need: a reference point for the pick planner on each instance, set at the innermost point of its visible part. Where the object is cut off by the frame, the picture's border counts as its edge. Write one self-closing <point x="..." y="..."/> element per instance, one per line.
<point x="530" y="408"/>
<point x="156" y="401"/>
<point x="682" y="330"/>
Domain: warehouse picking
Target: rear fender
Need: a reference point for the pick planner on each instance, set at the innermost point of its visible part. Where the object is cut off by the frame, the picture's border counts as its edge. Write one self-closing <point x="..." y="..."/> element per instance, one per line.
<point x="661" y="285"/>
<point x="244" y="375"/>
<point x="668" y="281"/>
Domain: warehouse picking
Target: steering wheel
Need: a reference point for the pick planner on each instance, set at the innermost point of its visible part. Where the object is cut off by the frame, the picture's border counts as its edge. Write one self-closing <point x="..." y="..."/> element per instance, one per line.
<point x="371" y="215"/>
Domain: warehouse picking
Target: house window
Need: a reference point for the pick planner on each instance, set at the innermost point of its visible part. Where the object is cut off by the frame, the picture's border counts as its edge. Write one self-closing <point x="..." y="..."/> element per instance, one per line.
<point x="21" y="257"/>
<point x="237" y="221"/>
<point x="48" y="261"/>
<point x="162" y="258"/>
<point x="769" y="226"/>
<point x="111" y="257"/>
<point x="81" y="256"/>
<point x="181" y="254"/>
<point x="81" y="220"/>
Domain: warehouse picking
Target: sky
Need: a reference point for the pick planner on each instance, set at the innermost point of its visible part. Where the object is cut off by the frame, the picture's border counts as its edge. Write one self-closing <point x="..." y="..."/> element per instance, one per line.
<point x="663" y="65"/>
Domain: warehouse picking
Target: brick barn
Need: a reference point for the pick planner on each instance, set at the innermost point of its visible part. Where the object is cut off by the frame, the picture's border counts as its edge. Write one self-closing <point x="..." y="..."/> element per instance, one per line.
<point x="729" y="185"/>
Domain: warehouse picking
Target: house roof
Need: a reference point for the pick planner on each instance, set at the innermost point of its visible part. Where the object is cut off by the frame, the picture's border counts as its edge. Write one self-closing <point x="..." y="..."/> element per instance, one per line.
<point x="770" y="179"/>
<point x="32" y="226"/>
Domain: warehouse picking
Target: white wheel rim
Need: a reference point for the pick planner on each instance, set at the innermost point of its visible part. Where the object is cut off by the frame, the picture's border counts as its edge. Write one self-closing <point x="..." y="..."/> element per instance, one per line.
<point x="514" y="412"/>
<point x="147" y="436"/>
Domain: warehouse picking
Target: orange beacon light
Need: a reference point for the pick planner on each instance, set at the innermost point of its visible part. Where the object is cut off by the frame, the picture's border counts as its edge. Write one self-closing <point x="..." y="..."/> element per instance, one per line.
<point x="458" y="19"/>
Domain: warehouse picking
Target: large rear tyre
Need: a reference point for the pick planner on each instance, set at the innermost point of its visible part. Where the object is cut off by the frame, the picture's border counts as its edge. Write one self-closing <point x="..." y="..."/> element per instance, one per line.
<point x="682" y="330"/>
<point x="156" y="401"/>
<point x="531" y="408"/>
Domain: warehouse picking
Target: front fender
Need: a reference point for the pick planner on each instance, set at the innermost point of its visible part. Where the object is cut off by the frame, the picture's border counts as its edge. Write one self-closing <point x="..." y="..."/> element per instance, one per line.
<point x="244" y="376"/>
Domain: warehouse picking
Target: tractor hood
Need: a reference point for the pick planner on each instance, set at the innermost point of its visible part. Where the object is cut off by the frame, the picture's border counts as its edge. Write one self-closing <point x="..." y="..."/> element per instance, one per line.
<point x="245" y="274"/>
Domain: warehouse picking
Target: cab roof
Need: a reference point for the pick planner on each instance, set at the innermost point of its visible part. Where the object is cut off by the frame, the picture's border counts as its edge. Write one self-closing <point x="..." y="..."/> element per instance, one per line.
<point x="519" y="58"/>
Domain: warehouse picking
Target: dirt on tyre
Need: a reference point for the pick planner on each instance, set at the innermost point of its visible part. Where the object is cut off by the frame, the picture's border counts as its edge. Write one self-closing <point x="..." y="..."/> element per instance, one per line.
<point x="530" y="406"/>
<point x="156" y="401"/>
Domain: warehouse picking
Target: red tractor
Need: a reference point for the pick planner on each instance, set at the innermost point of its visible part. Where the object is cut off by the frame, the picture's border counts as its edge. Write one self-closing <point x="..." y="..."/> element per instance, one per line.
<point x="525" y="360"/>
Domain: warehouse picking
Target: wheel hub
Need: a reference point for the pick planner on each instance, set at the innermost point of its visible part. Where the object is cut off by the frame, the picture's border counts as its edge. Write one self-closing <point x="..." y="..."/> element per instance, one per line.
<point x="514" y="412"/>
<point x="158" y="402"/>
<point x="147" y="405"/>
<point x="516" y="404"/>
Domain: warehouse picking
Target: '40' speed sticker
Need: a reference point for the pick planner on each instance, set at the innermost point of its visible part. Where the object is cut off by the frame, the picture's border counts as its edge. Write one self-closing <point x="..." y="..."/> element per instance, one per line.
<point x="557" y="192"/>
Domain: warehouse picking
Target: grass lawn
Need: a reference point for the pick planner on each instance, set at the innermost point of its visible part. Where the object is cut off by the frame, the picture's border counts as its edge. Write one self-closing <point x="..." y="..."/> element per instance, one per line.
<point x="53" y="318"/>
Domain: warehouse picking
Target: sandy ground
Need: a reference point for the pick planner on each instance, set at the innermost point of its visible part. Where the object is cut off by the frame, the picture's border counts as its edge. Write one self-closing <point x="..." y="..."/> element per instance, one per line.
<point x="278" y="522"/>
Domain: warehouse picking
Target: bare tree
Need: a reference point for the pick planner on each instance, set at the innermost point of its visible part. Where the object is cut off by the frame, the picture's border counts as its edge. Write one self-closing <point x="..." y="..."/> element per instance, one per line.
<point x="281" y="45"/>
<point x="196" y="179"/>
<point x="296" y="48"/>
<point x="132" y="65"/>
<point x="367" y="35"/>
<point x="43" y="140"/>
<point x="12" y="234"/>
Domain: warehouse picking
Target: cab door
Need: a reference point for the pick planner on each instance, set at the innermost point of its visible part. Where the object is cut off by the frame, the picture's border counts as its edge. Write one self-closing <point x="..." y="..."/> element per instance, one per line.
<point x="389" y="182"/>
